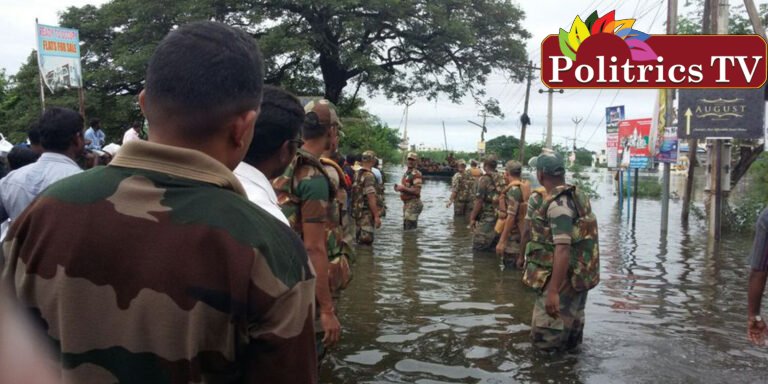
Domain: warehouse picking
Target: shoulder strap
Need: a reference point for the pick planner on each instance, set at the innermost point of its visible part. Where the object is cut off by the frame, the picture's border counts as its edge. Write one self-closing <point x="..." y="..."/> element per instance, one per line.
<point x="335" y="165"/>
<point x="306" y="159"/>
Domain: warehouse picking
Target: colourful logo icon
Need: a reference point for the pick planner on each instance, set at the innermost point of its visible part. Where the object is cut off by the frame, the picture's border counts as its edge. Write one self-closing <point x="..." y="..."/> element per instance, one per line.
<point x="581" y="31"/>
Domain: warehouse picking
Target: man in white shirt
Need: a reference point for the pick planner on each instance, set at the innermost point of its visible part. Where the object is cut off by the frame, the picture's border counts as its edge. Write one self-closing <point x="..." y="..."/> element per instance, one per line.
<point x="132" y="133"/>
<point x="275" y="140"/>
<point x="61" y="135"/>
<point x="95" y="136"/>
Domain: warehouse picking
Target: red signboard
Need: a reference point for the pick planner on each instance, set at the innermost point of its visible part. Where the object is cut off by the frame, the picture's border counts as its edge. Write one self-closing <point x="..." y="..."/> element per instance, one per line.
<point x="606" y="60"/>
<point x="634" y="135"/>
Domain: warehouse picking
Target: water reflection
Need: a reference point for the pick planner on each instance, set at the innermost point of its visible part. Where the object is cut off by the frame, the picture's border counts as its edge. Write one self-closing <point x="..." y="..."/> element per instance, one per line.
<point x="423" y="308"/>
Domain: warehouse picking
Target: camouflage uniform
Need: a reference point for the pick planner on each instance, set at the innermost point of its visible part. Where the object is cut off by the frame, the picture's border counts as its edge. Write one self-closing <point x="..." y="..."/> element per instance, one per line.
<point x="365" y="184"/>
<point x="340" y="250"/>
<point x="515" y="207"/>
<point x="157" y="269"/>
<point x="305" y="194"/>
<point x="462" y="184"/>
<point x="565" y="217"/>
<point x="489" y="188"/>
<point x="412" y="205"/>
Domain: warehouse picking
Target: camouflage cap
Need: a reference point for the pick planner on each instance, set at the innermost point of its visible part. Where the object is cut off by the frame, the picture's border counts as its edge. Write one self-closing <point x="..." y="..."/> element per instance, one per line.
<point x="326" y="112"/>
<point x="413" y="155"/>
<point x="513" y="166"/>
<point x="369" y="155"/>
<point x="549" y="162"/>
<point x="461" y="162"/>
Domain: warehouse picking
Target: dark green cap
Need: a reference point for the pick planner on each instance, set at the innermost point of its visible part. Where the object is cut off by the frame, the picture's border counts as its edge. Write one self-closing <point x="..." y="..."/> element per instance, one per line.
<point x="549" y="162"/>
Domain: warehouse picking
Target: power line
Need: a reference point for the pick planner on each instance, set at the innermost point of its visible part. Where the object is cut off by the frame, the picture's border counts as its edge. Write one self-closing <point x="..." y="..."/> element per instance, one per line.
<point x="590" y="111"/>
<point x="602" y="118"/>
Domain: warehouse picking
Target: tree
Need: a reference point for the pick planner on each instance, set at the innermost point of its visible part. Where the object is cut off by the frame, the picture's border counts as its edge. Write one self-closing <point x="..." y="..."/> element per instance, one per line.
<point x="366" y="132"/>
<point x="402" y="48"/>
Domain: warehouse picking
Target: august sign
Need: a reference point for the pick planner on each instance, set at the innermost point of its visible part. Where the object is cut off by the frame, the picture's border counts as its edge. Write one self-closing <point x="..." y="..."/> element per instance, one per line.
<point x="736" y="113"/>
<point x="605" y="52"/>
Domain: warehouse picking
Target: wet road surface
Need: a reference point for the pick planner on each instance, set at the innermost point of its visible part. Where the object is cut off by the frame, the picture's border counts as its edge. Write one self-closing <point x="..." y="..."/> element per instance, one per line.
<point x="423" y="308"/>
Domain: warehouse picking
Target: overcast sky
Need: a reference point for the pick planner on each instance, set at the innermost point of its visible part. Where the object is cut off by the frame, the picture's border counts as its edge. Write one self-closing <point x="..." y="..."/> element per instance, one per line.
<point x="543" y="17"/>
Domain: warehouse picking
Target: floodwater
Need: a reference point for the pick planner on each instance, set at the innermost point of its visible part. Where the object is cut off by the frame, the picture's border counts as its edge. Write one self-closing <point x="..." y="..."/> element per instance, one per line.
<point x="422" y="308"/>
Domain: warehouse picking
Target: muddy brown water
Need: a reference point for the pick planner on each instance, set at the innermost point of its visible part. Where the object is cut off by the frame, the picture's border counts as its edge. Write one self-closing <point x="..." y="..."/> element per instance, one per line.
<point x="423" y="308"/>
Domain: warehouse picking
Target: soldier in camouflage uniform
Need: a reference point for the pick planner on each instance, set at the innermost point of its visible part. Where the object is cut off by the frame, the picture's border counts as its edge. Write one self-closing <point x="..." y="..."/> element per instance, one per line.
<point x="157" y="268"/>
<point x="563" y="258"/>
<point x="340" y="250"/>
<point x="410" y="193"/>
<point x="365" y="200"/>
<point x="462" y="185"/>
<point x="515" y="204"/>
<point x="484" y="214"/>
<point x="307" y="199"/>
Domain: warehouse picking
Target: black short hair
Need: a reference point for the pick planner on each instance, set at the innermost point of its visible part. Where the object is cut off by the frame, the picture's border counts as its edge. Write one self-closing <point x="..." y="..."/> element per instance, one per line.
<point x="492" y="163"/>
<point x="280" y="120"/>
<point x="20" y="156"/>
<point x="312" y="129"/>
<point x="94" y="122"/>
<point x="34" y="133"/>
<point x="202" y="74"/>
<point x="58" y="127"/>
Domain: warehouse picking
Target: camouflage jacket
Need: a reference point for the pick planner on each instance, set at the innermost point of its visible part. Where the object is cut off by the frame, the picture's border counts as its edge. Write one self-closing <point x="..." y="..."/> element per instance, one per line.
<point x="157" y="269"/>
<point x="336" y="244"/>
<point x="364" y="184"/>
<point x="571" y="221"/>
<point x="463" y="184"/>
<point x="489" y="190"/>
<point x="411" y="179"/>
<point x="304" y="191"/>
<point x="515" y="197"/>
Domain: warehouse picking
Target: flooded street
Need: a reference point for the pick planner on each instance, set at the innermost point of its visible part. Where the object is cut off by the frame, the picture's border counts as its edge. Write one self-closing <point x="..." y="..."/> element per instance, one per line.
<point x="422" y="308"/>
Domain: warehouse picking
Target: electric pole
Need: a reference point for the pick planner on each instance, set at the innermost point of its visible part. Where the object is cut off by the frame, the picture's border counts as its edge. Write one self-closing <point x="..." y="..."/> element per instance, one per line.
<point x="405" y="130"/>
<point x="576" y="120"/>
<point x="525" y="120"/>
<point x="668" y="117"/>
<point x="548" y="141"/>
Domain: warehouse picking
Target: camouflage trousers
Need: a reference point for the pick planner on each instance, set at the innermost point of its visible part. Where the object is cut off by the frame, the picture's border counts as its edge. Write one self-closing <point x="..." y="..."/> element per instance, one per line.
<point x="411" y="211"/>
<point x="511" y="252"/>
<point x="564" y="333"/>
<point x="460" y="208"/>
<point x="364" y="229"/>
<point x="485" y="238"/>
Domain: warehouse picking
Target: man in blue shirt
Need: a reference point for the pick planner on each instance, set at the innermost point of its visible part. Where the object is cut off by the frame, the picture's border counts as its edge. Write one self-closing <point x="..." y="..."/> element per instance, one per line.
<point x="95" y="135"/>
<point x="61" y="135"/>
<point x="756" y="328"/>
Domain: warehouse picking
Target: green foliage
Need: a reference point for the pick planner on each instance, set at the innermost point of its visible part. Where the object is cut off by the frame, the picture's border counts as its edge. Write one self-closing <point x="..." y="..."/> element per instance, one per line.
<point x="745" y="210"/>
<point x="646" y="188"/>
<point x="584" y="157"/>
<point x="402" y="48"/>
<point x="367" y="132"/>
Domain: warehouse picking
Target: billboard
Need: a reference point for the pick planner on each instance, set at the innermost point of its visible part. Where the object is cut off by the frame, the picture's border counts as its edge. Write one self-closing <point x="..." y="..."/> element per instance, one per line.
<point x="613" y="115"/>
<point x="732" y="113"/>
<point x="635" y="142"/>
<point x="58" y="57"/>
<point x="667" y="152"/>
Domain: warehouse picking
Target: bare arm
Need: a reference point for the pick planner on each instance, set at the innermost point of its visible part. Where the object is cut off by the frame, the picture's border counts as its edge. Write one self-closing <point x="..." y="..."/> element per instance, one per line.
<point x="559" y="272"/>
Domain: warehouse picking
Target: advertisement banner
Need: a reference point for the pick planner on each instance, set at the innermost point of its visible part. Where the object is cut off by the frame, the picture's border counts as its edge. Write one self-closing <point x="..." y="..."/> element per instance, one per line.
<point x="613" y="115"/>
<point x="634" y="141"/>
<point x="58" y="56"/>
<point x="668" y="146"/>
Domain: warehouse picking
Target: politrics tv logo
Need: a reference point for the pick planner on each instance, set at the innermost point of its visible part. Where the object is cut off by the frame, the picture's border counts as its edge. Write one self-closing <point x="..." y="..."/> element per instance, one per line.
<point x="603" y="52"/>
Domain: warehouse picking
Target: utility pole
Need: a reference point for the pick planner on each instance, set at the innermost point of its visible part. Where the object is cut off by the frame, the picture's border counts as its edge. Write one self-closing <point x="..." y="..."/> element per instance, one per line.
<point x="525" y="120"/>
<point x="720" y="15"/>
<point x="445" y="137"/>
<point x="576" y="120"/>
<point x="548" y="141"/>
<point x="668" y="116"/>
<point x="693" y="144"/>
<point x="405" y="130"/>
<point x="484" y="115"/>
